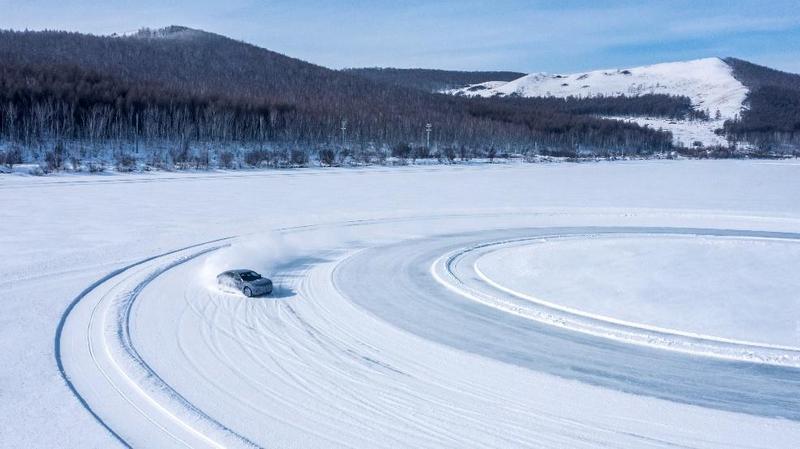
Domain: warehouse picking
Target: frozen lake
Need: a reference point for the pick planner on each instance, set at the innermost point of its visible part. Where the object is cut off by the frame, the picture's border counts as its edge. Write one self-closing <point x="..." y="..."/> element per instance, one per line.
<point x="106" y="281"/>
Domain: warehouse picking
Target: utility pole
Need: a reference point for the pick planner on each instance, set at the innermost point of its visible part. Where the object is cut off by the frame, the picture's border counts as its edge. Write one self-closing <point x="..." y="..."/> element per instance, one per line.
<point x="261" y="132"/>
<point x="344" y="129"/>
<point x="428" y="128"/>
<point x="136" y="133"/>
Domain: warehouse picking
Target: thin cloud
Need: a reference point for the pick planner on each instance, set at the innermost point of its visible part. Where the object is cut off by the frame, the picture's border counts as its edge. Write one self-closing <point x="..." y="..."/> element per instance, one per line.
<point x="569" y="35"/>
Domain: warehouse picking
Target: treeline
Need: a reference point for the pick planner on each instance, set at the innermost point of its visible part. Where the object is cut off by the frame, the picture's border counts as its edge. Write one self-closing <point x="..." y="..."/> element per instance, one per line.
<point x="55" y="103"/>
<point x="771" y="120"/>
<point x="558" y="129"/>
<point x="44" y="104"/>
<point x="430" y="80"/>
<point x="648" y="105"/>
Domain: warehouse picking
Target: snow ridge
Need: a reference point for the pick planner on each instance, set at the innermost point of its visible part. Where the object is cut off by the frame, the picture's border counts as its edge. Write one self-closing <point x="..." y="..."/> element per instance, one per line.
<point x="708" y="82"/>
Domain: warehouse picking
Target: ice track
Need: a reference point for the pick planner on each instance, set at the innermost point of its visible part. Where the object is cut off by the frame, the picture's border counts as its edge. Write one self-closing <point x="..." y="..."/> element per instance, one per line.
<point x="380" y="338"/>
<point x="505" y="326"/>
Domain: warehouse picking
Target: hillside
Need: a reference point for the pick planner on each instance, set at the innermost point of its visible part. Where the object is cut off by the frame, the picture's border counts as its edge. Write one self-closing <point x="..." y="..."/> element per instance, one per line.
<point x="755" y="76"/>
<point x="431" y="80"/>
<point x="180" y="58"/>
<point x="709" y="83"/>
<point x="180" y="93"/>
<point x="771" y="118"/>
<point x="746" y="105"/>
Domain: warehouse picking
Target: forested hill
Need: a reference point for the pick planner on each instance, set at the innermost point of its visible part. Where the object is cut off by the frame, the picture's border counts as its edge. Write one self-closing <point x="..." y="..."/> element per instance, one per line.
<point x="180" y="58"/>
<point x="432" y="80"/>
<point x="755" y="76"/>
<point x="183" y="88"/>
<point x="771" y="119"/>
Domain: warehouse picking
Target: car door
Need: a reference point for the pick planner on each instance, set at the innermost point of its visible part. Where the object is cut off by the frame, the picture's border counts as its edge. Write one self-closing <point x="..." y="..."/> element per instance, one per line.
<point x="237" y="281"/>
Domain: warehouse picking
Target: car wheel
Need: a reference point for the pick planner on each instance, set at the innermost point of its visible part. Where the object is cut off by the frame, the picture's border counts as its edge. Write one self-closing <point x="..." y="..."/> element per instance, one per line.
<point x="247" y="292"/>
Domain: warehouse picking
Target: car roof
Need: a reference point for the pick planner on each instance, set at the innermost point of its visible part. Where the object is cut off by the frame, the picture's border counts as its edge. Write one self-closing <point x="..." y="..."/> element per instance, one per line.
<point x="240" y="271"/>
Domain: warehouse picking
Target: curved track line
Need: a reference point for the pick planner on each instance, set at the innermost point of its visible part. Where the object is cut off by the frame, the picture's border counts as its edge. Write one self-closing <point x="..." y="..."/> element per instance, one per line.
<point x="124" y="336"/>
<point x="93" y="286"/>
<point x="107" y="376"/>
<point x="390" y="281"/>
<point x="122" y="332"/>
<point x="446" y="272"/>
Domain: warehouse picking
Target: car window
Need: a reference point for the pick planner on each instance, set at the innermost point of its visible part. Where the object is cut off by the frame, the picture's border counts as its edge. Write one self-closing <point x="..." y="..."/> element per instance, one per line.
<point x="250" y="276"/>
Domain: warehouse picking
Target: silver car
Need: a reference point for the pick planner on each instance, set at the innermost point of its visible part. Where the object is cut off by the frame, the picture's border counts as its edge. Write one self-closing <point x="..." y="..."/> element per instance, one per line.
<point x="246" y="281"/>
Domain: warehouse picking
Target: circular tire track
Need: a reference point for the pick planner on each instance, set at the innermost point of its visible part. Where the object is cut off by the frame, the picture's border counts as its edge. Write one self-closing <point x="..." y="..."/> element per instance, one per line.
<point x="394" y="283"/>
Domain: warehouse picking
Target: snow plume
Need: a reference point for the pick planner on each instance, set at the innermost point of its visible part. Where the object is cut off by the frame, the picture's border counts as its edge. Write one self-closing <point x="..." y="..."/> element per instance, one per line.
<point x="264" y="254"/>
<point x="270" y="254"/>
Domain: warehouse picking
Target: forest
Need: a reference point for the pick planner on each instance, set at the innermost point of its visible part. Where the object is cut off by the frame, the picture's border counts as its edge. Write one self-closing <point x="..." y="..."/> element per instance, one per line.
<point x="771" y="120"/>
<point x="40" y="105"/>
<point x="186" y="92"/>
<point x="180" y="96"/>
<point x="431" y="80"/>
<point x="647" y="105"/>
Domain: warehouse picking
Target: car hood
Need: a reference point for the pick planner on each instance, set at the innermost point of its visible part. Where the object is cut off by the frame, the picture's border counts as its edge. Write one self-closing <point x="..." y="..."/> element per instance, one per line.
<point x="260" y="282"/>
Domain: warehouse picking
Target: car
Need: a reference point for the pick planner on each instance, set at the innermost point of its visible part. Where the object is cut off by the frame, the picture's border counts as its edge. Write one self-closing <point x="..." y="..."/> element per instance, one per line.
<point x="248" y="282"/>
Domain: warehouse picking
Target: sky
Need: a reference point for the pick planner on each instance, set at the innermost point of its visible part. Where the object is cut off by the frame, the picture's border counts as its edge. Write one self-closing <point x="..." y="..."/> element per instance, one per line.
<point x="525" y="36"/>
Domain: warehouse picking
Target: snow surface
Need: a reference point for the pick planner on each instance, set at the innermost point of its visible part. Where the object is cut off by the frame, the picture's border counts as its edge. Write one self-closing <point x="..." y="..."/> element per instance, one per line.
<point x="161" y="357"/>
<point x="717" y="286"/>
<point x="708" y="82"/>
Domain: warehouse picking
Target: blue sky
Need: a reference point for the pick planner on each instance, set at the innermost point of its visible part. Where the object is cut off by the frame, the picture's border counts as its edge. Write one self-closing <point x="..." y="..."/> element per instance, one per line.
<point x="526" y="36"/>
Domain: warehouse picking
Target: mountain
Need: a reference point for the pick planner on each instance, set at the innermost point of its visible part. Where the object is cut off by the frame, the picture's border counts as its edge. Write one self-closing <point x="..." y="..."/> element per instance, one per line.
<point x="178" y="92"/>
<point x="182" y="58"/>
<point x="188" y="91"/>
<point x="746" y="105"/>
<point x="431" y="80"/>
<point x="709" y="83"/>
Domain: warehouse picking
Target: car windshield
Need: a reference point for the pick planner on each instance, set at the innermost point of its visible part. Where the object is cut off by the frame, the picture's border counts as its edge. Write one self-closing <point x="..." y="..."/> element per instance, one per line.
<point x="250" y="276"/>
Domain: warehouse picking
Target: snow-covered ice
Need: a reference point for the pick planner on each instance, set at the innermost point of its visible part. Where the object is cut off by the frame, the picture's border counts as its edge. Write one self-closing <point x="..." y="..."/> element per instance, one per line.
<point x="360" y="346"/>
<point x="730" y="287"/>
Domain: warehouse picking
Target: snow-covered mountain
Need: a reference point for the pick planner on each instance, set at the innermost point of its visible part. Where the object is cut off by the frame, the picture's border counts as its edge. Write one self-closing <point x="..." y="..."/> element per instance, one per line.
<point x="709" y="83"/>
<point x="170" y="32"/>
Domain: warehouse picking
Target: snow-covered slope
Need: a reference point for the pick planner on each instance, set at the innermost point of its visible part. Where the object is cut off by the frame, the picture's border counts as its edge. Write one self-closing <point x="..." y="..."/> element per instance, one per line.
<point x="478" y="89"/>
<point x="708" y="82"/>
<point x="170" y="32"/>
